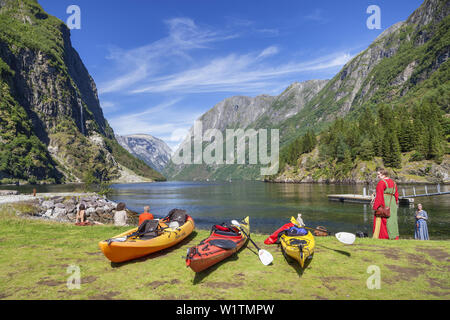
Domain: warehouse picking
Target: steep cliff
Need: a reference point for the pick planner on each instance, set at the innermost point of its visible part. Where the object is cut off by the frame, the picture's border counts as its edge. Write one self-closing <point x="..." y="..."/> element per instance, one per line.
<point x="394" y="98"/>
<point x="240" y="112"/>
<point x="49" y="98"/>
<point x="395" y="64"/>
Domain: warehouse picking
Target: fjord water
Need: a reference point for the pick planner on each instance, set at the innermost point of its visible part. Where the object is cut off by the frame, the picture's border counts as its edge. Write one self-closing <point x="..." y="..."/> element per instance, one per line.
<point x="271" y="205"/>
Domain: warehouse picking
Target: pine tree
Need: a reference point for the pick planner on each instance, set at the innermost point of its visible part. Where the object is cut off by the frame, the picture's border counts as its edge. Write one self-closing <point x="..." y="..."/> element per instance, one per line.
<point x="367" y="150"/>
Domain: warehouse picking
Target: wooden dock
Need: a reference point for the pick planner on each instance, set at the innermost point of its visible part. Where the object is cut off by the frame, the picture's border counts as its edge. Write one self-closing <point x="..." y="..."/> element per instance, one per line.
<point x="405" y="199"/>
<point x="358" y="198"/>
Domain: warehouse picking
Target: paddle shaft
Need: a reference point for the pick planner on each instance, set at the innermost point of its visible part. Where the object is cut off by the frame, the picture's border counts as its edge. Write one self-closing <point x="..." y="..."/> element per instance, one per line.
<point x="248" y="236"/>
<point x="329" y="233"/>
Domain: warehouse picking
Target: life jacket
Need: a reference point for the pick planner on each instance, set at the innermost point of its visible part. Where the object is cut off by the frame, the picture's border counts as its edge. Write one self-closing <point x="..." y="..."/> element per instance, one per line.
<point x="225" y="230"/>
<point x="273" y="238"/>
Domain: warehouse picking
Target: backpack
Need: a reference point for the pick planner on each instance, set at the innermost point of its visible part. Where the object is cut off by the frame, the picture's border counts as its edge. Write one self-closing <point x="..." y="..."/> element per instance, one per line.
<point x="177" y="215"/>
<point x="321" y="231"/>
<point x="361" y="234"/>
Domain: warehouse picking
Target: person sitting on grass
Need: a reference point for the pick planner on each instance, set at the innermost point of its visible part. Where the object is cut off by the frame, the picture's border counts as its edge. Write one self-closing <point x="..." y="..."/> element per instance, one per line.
<point x="146" y="215"/>
<point x="81" y="214"/>
<point x="120" y="217"/>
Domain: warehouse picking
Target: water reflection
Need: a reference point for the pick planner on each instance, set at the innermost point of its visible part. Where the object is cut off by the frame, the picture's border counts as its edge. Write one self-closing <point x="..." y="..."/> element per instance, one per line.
<point x="268" y="205"/>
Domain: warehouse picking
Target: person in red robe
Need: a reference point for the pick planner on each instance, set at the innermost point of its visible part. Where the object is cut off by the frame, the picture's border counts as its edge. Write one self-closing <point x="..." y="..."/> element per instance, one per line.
<point x="386" y="191"/>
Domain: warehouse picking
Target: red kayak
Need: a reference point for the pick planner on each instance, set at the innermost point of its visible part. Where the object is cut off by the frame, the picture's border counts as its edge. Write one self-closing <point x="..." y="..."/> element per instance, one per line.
<point x="223" y="241"/>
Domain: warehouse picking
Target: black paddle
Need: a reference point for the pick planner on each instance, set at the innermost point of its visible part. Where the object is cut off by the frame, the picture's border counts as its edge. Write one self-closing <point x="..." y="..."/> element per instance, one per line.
<point x="265" y="256"/>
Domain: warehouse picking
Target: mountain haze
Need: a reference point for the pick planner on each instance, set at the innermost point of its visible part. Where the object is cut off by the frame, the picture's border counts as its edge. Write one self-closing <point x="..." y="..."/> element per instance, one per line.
<point x="153" y="151"/>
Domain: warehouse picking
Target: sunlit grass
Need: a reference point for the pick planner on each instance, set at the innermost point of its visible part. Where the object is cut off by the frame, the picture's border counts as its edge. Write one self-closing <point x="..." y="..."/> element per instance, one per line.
<point x="35" y="256"/>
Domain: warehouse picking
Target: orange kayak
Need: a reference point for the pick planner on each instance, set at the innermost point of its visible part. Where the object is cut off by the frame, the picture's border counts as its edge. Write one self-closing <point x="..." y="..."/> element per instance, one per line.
<point x="124" y="247"/>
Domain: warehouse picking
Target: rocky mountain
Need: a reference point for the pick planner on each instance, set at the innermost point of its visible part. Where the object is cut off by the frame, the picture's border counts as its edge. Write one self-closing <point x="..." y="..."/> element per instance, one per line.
<point x="153" y="151"/>
<point x="394" y="96"/>
<point x="406" y="62"/>
<point x="393" y="66"/>
<point x="52" y="127"/>
<point x="246" y="113"/>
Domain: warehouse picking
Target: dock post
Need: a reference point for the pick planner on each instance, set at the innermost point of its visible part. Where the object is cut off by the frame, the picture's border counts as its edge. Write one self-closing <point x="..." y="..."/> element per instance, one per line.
<point x="364" y="191"/>
<point x="414" y="189"/>
<point x="426" y="190"/>
<point x="439" y="188"/>
<point x="403" y="190"/>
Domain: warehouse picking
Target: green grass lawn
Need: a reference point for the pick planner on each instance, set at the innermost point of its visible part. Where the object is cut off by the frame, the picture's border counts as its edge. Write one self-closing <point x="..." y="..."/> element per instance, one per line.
<point x="35" y="257"/>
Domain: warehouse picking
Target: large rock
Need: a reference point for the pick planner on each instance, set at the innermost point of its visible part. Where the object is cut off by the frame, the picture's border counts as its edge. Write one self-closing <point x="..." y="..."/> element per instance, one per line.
<point x="48" y="204"/>
<point x="59" y="213"/>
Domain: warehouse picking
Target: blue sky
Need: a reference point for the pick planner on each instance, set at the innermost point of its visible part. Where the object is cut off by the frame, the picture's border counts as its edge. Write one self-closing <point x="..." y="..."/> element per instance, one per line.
<point x="159" y="65"/>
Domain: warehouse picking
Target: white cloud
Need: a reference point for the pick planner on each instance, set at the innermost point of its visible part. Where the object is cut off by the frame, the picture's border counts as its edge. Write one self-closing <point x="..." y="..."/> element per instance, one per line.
<point x="141" y="63"/>
<point x="270" y="51"/>
<point x="167" y="65"/>
<point x="238" y="73"/>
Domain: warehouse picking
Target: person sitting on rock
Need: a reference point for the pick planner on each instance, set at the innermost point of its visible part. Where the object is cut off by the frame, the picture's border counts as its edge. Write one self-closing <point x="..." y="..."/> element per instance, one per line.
<point x="120" y="217"/>
<point x="146" y="215"/>
<point x="81" y="214"/>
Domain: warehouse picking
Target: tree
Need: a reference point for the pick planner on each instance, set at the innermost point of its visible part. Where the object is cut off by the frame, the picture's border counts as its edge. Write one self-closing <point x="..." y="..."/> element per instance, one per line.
<point x="392" y="156"/>
<point x="367" y="150"/>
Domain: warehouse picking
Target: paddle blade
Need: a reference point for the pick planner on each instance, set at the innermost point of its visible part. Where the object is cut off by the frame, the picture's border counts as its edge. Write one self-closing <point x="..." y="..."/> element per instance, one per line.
<point x="265" y="257"/>
<point x="235" y="223"/>
<point x="345" y="237"/>
<point x="223" y="244"/>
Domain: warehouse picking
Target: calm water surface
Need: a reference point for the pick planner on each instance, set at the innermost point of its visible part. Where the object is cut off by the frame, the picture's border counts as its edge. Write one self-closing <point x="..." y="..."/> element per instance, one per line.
<point x="271" y="205"/>
<point x="268" y="205"/>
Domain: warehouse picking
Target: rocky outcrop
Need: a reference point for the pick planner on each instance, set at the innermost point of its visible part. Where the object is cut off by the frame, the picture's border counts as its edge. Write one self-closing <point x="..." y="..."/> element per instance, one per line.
<point x="311" y="170"/>
<point x="64" y="209"/>
<point x="153" y="151"/>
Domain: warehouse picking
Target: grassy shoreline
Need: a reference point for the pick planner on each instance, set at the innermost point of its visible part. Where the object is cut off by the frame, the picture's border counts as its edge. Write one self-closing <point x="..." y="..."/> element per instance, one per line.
<point x="36" y="256"/>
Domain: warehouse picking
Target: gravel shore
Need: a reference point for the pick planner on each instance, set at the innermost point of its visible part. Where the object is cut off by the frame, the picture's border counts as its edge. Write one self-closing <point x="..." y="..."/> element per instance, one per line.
<point x="29" y="197"/>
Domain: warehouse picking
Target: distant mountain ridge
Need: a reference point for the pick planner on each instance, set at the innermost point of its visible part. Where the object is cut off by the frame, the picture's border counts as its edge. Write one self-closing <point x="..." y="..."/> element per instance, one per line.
<point x="243" y="112"/>
<point x="153" y="151"/>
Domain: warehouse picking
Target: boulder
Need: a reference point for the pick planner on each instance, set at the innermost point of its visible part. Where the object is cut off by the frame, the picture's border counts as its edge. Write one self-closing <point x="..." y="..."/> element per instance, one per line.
<point x="59" y="213"/>
<point x="57" y="199"/>
<point x="48" y="204"/>
<point x="48" y="213"/>
<point x="90" y="211"/>
<point x="71" y="208"/>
